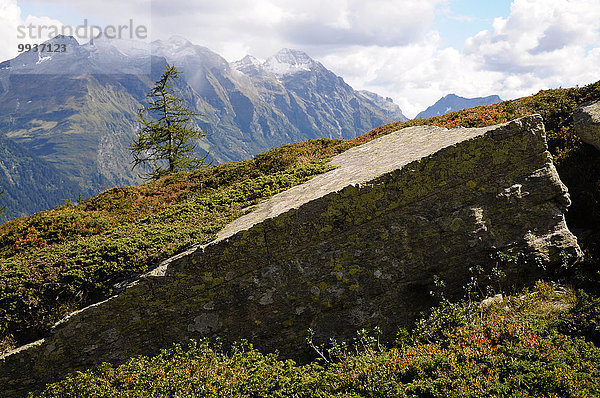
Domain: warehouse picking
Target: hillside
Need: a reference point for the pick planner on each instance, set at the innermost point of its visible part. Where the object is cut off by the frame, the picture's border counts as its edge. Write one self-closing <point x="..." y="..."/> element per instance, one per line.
<point x="126" y="231"/>
<point x="77" y="110"/>
<point x="23" y="175"/>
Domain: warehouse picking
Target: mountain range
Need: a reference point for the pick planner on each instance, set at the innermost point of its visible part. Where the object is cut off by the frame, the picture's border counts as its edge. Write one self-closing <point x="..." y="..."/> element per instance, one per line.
<point x="67" y="118"/>
<point x="452" y="103"/>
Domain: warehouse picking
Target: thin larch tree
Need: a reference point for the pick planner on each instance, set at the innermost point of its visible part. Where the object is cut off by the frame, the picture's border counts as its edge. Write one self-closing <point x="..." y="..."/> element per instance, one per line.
<point x="164" y="141"/>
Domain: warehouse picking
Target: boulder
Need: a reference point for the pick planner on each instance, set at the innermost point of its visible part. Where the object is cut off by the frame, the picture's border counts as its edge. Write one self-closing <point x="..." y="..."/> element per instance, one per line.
<point x="357" y="247"/>
<point x="587" y="123"/>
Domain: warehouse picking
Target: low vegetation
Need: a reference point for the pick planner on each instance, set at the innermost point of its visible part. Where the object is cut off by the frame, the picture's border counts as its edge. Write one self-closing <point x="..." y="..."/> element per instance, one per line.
<point x="540" y="343"/>
<point x="518" y="346"/>
<point x="57" y="261"/>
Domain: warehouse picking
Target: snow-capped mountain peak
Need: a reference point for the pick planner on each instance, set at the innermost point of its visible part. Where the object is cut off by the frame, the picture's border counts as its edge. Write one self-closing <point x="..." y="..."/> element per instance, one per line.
<point x="287" y="62"/>
<point x="174" y="47"/>
<point x="248" y="64"/>
<point x="188" y="55"/>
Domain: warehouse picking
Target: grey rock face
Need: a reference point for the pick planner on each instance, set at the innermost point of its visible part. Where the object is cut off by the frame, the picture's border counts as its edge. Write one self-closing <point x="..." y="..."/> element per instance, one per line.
<point x="587" y="123"/>
<point x="354" y="248"/>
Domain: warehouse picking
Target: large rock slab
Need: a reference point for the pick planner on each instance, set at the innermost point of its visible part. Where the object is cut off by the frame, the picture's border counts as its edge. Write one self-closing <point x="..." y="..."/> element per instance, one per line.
<point x="353" y="248"/>
<point x="587" y="123"/>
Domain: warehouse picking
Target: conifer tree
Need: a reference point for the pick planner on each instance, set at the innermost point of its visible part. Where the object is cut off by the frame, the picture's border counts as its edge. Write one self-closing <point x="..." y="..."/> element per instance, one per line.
<point x="163" y="143"/>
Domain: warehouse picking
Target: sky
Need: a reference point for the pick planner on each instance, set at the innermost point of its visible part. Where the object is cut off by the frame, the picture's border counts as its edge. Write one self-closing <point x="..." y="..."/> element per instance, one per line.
<point x="414" y="51"/>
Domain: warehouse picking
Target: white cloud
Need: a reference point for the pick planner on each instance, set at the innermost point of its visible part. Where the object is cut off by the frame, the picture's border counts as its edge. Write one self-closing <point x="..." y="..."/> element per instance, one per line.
<point x="267" y="25"/>
<point x="539" y="36"/>
<point x="10" y="17"/>
<point x="12" y="25"/>
<point x="356" y="22"/>
<point x="462" y="18"/>
<point x="541" y="44"/>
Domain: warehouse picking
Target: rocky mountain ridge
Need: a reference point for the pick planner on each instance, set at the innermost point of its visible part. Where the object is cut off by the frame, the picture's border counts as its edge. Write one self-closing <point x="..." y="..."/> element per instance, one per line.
<point x="453" y="102"/>
<point x="77" y="109"/>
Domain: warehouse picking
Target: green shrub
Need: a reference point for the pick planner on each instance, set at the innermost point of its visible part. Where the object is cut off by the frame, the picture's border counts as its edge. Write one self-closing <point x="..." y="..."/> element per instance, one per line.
<point x="513" y="348"/>
<point x="583" y="320"/>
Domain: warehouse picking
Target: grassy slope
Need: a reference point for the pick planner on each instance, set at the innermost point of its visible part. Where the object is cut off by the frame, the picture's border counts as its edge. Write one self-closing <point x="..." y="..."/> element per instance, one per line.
<point x="57" y="261"/>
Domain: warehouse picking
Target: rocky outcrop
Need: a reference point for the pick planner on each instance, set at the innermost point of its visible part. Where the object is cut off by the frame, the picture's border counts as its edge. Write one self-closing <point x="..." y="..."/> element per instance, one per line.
<point x="587" y="123"/>
<point x="353" y="248"/>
